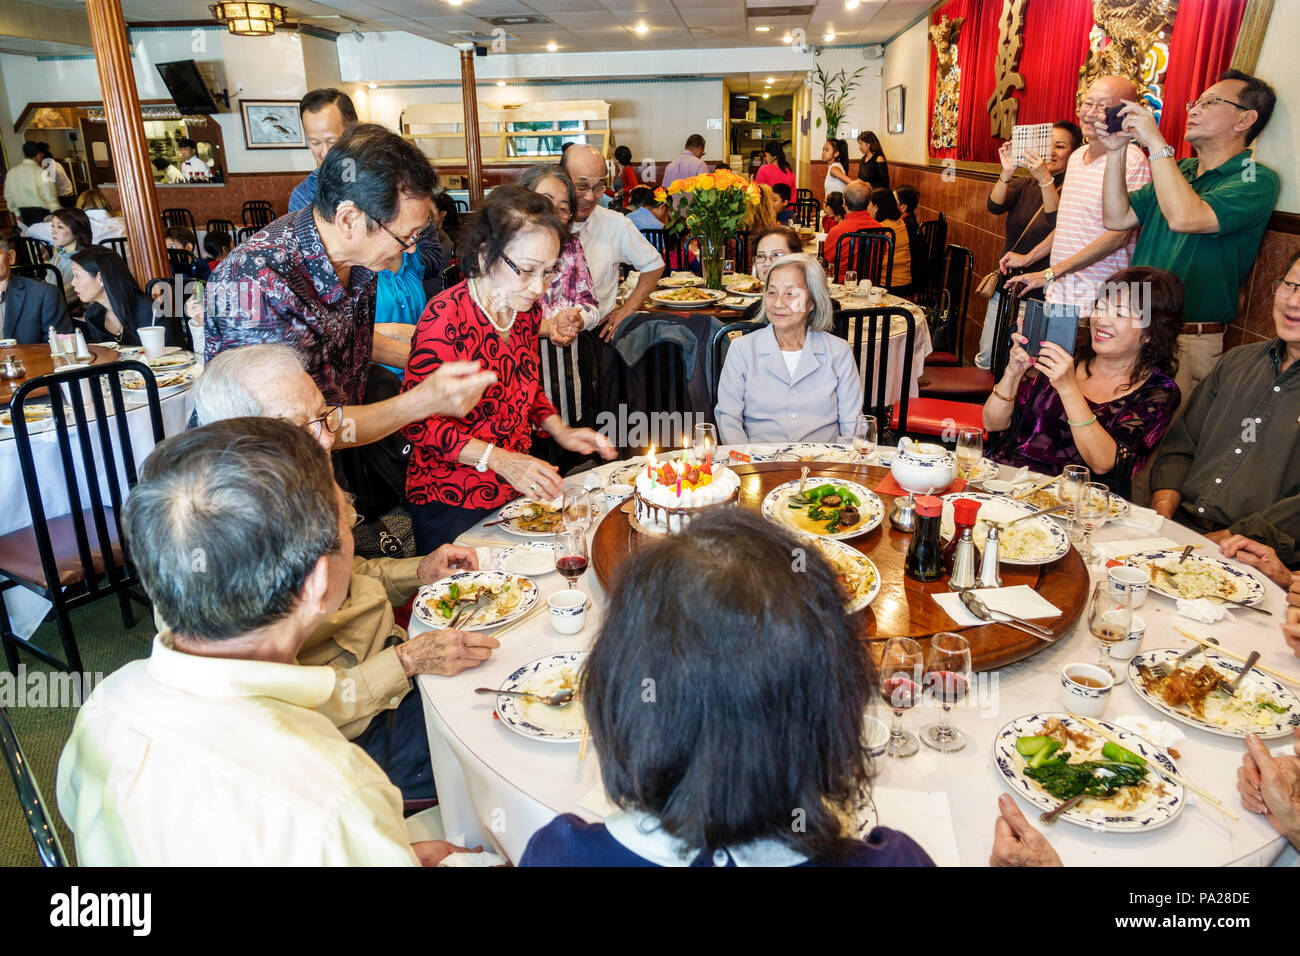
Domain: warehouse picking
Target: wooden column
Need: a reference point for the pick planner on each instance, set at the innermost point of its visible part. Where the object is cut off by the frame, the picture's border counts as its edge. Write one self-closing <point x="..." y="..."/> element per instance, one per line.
<point x="126" y="140"/>
<point x="473" y="150"/>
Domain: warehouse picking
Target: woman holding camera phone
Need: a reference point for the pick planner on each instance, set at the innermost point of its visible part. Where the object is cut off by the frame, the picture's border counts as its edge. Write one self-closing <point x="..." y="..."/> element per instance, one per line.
<point x="1108" y="405"/>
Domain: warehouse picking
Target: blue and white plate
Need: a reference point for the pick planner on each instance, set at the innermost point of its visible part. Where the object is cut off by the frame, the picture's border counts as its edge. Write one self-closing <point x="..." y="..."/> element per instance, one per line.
<point x="425" y="606"/>
<point x="1161" y="802"/>
<point x="814" y="451"/>
<point x="1034" y="542"/>
<point x="529" y="558"/>
<point x="1243" y="716"/>
<point x="1249" y="590"/>
<point x="846" y="560"/>
<point x="529" y="718"/>
<point x="775" y="507"/>
<point x="515" y="510"/>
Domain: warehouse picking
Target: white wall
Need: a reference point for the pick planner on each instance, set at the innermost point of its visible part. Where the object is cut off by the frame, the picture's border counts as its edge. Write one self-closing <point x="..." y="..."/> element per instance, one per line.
<point x="866" y="106"/>
<point x="907" y="61"/>
<point x="1279" y="144"/>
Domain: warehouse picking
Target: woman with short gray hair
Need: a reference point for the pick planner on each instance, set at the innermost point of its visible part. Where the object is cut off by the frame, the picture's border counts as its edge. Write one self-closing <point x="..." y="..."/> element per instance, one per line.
<point x="569" y="304"/>
<point x="793" y="380"/>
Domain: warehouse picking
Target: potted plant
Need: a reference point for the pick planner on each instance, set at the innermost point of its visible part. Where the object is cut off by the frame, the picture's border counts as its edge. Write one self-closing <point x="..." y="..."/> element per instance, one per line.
<point x="835" y="91"/>
<point x="710" y="209"/>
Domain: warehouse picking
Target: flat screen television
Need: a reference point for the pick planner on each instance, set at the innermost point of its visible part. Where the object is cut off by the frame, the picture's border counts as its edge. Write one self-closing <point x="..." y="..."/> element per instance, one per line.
<point x="188" y="90"/>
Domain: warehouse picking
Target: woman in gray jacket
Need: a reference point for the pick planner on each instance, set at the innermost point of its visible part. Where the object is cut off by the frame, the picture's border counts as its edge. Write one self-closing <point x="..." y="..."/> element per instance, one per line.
<point x="793" y="380"/>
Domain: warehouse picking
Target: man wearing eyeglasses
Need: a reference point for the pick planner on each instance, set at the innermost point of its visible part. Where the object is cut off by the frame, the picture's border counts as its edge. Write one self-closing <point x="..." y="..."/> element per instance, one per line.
<point x="608" y="239"/>
<point x="1201" y="218"/>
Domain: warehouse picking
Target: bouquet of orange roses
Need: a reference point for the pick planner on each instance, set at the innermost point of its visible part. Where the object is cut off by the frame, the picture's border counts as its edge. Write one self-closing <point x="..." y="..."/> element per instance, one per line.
<point x="710" y="208"/>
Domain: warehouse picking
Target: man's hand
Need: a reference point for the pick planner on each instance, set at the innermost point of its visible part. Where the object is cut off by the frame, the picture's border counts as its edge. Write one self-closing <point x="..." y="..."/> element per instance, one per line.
<point x="442" y="562"/>
<point x="1271" y="786"/>
<point x="609" y="324"/>
<point x="1140" y="123"/>
<point x="1016" y="842"/>
<point x="446" y="652"/>
<point x="453" y="389"/>
<point x="1257" y="555"/>
<point x="585" y="441"/>
<point x="433" y="852"/>
<point x="1166" y="501"/>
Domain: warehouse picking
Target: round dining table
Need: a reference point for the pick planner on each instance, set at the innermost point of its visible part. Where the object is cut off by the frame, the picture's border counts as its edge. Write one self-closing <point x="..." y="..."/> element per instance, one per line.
<point x="496" y="788"/>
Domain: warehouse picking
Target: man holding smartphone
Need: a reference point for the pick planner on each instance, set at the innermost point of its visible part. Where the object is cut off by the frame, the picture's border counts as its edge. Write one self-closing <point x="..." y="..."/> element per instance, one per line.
<point x="1202" y="218"/>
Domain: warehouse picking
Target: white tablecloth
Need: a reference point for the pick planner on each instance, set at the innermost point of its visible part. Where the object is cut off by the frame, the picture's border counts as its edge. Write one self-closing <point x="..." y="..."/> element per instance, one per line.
<point x="26" y="609"/>
<point x="497" y="788"/>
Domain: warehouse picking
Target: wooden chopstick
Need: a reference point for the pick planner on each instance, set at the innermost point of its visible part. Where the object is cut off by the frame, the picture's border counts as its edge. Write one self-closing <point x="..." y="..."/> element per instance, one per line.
<point x="582" y="743"/>
<point x="1038" y="487"/>
<point x="541" y="606"/>
<point x="467" y="541"/>
<point x="1164" y="771"/>
<point x="1293" y="681"/>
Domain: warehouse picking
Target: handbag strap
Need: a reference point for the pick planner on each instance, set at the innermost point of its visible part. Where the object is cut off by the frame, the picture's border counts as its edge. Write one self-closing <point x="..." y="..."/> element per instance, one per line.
<point x="1027" y="225"/>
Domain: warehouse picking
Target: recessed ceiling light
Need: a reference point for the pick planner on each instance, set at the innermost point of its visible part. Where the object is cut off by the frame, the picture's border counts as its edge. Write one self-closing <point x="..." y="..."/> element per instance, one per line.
<point x="767" y="96"/>
<point x="552" y="46"/>
<point x="787" y="38"/>
<point x="642" y="29"/>
<point x="771" y="79"/>
<point x="830" y="35"/>
<point x="850" y="4"/>
<point x="455" y="3"/>
<point x="763" y="29"/>
<point x="501" y="82"/>
<point x="372" y="86"/>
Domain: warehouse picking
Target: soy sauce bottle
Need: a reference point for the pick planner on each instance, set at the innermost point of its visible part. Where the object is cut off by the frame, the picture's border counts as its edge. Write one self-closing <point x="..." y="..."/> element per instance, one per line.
<point x="964" y="511"/>
<point x="924" y="560"/>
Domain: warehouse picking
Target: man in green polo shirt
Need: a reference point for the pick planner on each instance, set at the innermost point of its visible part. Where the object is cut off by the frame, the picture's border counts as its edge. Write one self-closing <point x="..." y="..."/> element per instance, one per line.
<point x="1201" y="218"/>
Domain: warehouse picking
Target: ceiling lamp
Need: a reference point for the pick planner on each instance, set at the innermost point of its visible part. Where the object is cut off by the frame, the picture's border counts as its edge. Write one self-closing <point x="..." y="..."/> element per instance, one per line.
<point x="248" y="19"/>
<point x="763" y="29"/>
<point x="642" y="29"/>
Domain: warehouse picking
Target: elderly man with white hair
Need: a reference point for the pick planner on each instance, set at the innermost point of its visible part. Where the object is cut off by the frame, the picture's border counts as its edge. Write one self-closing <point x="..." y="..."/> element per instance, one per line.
<point x="371" y="654"/>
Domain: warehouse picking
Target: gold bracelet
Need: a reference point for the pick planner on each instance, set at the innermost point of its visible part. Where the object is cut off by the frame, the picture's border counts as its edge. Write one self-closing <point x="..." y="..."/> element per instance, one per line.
<point x="1003" y="397"/>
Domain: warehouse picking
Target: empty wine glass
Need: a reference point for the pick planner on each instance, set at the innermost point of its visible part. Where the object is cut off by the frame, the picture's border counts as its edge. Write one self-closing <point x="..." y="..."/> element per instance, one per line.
<point x="901" y="667"/>
<point x="970" y="448"/>
<point x="947" y="676"/>
<point x="1068" y="486"/>
<point x="850" y="282"/>
<point x="1110" y="618"/>
<point x="704" y="442"/>
<point x="578" y="510"/>
<point x="1091" y="512"/>
<point x="864" y="436"/>
<point x="571" y="555"/>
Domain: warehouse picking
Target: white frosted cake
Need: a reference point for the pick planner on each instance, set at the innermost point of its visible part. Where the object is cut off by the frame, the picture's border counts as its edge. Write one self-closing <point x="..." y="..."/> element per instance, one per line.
<point x="668" y="494"/>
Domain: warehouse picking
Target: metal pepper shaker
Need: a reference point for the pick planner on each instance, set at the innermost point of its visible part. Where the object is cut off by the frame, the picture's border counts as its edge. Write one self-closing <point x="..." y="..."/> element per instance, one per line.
<point x="963" y="563"/>
<point x="989" y="577"/>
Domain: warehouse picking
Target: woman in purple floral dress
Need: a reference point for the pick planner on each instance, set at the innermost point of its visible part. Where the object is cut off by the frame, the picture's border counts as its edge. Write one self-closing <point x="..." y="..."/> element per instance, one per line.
<point x="1107" y="406"/>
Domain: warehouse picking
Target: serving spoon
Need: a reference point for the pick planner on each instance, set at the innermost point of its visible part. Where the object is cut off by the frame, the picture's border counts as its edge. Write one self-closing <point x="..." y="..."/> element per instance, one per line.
<point x="558" y="699"/>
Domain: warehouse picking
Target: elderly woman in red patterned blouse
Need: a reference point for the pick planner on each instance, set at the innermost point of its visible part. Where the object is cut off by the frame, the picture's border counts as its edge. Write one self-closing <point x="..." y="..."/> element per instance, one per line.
<point x="461" y="469"/>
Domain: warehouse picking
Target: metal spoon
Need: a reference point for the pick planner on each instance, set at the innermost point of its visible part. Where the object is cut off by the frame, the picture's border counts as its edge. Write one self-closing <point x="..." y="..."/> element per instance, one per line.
<point x="1043" y="511"/>
<point x="985" y="613"/>
<point x="558" y="699"/>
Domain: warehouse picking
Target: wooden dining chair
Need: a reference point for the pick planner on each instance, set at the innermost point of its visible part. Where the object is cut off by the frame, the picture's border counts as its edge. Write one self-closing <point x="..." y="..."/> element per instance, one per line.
<point x="656" y="388"/>
<point x="868" y="332"/>
<point x="803" y="194"/>
<point x="177" y="217"/>
<point x="949" y="328"/>
<point x="29" y="251"/>
<point x="76" y="558"/>
<point x="935" y="236"/>
<point x="870" y="253"/>
<point x="741" y="247"/>
<point x="31" y="805"/>
<point x="258" y="213"/>
<point x="461" y="205"/>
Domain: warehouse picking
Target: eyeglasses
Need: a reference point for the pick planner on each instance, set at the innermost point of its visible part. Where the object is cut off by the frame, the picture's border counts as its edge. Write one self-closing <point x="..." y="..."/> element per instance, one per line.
<point x="1205" y="102"/>
<point x="331" y="421"/>
<point x="582" y="186"/>
<point x="350" y="502"/>
<point x="1291" y="287"/>
<point x="769" y="256"/>
<point x="546" y="275"/>
<point x="405" y="243"/>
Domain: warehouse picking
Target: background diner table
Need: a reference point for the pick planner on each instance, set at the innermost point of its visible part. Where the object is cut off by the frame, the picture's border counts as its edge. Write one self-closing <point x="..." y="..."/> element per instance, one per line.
<point x="497" y="788"/>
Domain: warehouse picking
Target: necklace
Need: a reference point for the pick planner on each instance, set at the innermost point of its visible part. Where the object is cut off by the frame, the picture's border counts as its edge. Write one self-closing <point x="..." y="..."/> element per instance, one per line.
<point x="473" y="294"/>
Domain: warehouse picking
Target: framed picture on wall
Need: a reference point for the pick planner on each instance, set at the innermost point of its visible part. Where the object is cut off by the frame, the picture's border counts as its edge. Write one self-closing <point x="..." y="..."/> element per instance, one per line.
<point x="894" y="109"/>
<point x="272" y="124"/>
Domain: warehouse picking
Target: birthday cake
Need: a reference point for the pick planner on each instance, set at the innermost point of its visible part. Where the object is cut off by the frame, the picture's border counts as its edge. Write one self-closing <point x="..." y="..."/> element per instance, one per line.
<point x="669" y="494"/>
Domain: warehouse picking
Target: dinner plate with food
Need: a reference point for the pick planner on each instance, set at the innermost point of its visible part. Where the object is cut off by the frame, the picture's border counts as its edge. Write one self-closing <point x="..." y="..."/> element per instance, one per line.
<point x="680" y="281"/>
<point x="1049" y="758"/>
<point x="531" y="519"/>
<point x="475" y="600"/>
<point x="172" y="362"/>
<point x="1033" y="542"/>
<point x="856" y="573"/>
<point x="1193" y="694"/>
<point x="688" y="298"/>
<point x="984" y="470"/>
<point x="815" y="451"/>
<point x="40" y="418"/>
<point x="829" y="509"/>
<point x="545" y="676"/>
<point x="529" y="558"/>
<point x="169" y="383"/>
<point x="1046" y="497"/>
<point x="738" y="301"/>
<point x="1200" y="576"/>
<point x="745" y="284"/>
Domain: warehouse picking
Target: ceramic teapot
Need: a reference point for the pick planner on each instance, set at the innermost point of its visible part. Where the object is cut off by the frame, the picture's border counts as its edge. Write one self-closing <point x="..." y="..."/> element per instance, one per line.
<point x="920" y="466"/>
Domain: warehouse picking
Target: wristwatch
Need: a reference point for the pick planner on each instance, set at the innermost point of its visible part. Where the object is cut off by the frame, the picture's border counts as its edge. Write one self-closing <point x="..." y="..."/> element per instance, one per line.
<point x="482" y="464"/>
<point x="1048" y="274"/>
<point x="1164" y="152"/>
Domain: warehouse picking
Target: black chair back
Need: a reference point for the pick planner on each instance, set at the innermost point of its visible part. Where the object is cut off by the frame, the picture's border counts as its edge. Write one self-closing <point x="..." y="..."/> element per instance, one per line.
<point x="461" y="205"/>
<point x="1008" y="313"/>
<point x="718" y="347"/>
<point x="803" y="194"/>
<point x="868" y="332"/>
<point x="666" y="245"/>
<point x="63" y="544"/>
<point x="741" y="246"/>
<point x="178" y="217"/>
<point x="40" y="823"/>
<point x="935" y="235"/>
<point x="44" y="272"/>
<point x="221" y="225"/>
<point x="808" y="212"/>
<point x="870" y="255"/>
<point x="655" y="385"/>
<point x="243" y="232"/>
<point x="120" y="245"/>
<point x="258" y="212"/>
<point x="957" y="279"/>
<point x="29" y="251"/>
<point x="182" y="261"/>
<point x="451" y="274"/>
<point x="569" y="378"/>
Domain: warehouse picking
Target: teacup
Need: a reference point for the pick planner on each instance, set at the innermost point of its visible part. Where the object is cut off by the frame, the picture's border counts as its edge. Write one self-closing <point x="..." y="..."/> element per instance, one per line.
<point x="1127" y="648"/>
<point x="1085" y="689"/>
<point x="877" y="736"/>
<point x="1135" y="581"/>
<point x="568" y="610"/>
<point x="615" y="495"/>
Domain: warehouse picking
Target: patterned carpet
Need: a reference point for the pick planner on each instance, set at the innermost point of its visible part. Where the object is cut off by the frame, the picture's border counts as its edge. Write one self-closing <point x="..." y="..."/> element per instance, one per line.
<point x="42" y="731"/>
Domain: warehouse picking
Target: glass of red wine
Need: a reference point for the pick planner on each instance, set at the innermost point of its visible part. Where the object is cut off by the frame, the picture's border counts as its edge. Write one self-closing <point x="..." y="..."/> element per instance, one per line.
<point x="947" y="676"/>
<point x="571" y="555"/>
<point x="901" y="666"/>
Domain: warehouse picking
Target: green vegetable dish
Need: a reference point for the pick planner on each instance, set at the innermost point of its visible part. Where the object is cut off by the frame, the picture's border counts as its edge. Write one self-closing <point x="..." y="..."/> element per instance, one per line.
<point x="826" y="509"/>
<point x="1048" y="764"/>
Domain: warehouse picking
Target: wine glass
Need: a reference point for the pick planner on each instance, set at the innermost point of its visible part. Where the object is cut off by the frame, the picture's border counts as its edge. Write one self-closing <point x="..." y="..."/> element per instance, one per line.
<point x="1091" y="511"/>
<point x="704" y="442"/>
<point x="1110" y="618"/>
<point x="864" y="436"/>
<point x="1068" y="486"/>
<point x="578" y="510"/>
<point x="947" y="675"/>
<point x="901" y="666"/>
<point x="850" y="282"/>
<point x="571" y="555"/>
<point x="970" y="448"/>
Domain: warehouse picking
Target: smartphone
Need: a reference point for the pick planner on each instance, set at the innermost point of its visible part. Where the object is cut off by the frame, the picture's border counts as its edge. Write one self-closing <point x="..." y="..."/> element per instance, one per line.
<point x="1049" y="323"/>
<point x="1114" y="122"/>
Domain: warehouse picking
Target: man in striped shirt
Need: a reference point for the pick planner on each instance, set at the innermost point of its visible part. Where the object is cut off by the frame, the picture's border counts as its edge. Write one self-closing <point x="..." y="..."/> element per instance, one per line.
<point x="1084" y="252"/>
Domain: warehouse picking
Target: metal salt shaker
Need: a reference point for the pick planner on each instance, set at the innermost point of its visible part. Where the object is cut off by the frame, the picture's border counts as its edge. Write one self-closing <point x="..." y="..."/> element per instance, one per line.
<point x="963" y="563"/>
<point x="13" y="367"/>
<point x="989" y="577"/>
<point x="903" y="516"/>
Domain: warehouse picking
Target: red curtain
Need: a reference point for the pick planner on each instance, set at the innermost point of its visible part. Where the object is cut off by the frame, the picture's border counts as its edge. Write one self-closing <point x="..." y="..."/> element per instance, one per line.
<point x="976" y="55"/>
<point x="1205" y="34"/>
<point x="1055" y="46"/>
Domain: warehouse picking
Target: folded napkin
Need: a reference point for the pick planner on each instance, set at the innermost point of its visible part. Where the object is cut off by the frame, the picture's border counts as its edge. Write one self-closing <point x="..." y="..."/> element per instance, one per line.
<point x="1123" y="547"/>
<point x="1203" y="610"/>
<point x="1160" y="732"/>
<point x="1144" y="518"/>
<point x="1022" y="601"/>
<point x="924" y="815"/>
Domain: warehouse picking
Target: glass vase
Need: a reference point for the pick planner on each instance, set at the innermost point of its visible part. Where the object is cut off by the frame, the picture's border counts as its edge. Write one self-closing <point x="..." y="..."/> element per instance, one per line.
<point x="712" y="251"/>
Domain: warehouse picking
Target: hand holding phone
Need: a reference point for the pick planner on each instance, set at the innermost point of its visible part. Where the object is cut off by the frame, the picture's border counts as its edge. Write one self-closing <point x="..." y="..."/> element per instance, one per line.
<point x="1044" y="323"/>
<point x="1114" y="122"/>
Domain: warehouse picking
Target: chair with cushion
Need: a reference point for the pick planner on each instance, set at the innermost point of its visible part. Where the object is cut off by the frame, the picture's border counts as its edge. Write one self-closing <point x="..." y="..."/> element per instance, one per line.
<point x="76" y="557"/>
<point x="959" y="383"/>
<point x="870" y="254"/>
<point x="948" y="332"/>
<point x="40" y="822"/>
<point x="258" y="212"/>
<point x="868" y="332"/>
<point x="173" y="218"/>
<point x="29" y="251"/>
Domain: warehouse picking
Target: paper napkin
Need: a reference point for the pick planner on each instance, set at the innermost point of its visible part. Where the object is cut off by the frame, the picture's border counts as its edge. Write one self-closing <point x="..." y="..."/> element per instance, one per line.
<point x="1122" y="547"/>
<point x="924" y="815"/>
<point x="1022" y="601"/>
<point x="1144" y="518"/>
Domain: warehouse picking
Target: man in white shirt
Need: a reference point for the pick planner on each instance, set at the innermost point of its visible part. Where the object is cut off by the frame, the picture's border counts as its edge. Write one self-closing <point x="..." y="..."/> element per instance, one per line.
<point x="63" y="188"/>
<point x="212" y="751"/>
<point x="1084" y="252"/>
<point x="29" y="191"/>
<point x="689" y="163"/>
<point x="608" y="240"/>
<point x="192" y="167"/>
